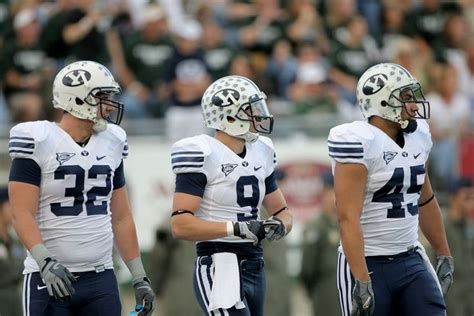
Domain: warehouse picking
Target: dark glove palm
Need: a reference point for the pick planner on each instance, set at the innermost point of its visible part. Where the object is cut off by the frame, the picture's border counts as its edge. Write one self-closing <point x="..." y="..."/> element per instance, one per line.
<point x="363" y="302"/>
<point x="274" y="228"/>
<point x="57" y="278"/>
<point x="144" y="296"/>
<point x="250" y="230"/>
<point x="444" y="271"/>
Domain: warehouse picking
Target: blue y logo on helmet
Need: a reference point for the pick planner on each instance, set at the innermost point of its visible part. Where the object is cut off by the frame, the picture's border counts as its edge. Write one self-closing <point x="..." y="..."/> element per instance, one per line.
<point x="225" y="97"/>
<point x="374" y="84"/>
<point x="76" y="78"/>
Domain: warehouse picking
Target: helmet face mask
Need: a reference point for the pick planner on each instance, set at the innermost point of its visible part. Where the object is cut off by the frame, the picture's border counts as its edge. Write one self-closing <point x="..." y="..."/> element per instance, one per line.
<point x="409" y="95"/>
<point x="257" y="113"/>
<point x="85" y="90"/>
<point x="236" y="106"/>
<point x="104" y="100"/>
<point x="386" y="90"/>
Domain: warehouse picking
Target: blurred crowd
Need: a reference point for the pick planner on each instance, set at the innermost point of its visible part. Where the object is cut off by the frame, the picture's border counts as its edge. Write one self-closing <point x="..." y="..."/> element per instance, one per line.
<point x="306" y="55"/>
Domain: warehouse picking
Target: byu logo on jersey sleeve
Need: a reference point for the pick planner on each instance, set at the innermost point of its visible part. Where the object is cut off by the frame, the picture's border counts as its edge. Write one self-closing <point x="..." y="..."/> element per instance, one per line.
<point x="76" y="78"/>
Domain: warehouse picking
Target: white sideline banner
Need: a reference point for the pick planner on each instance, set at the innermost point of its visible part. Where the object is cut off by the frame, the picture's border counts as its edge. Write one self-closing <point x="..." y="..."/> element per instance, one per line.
<point x="150" y="180"/>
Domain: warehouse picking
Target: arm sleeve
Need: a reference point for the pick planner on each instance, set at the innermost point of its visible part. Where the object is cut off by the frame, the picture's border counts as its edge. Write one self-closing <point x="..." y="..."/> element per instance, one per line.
<point x="188" y="156"/>
<point x="270" y="184"/>
<point x="22" y="143"/>
<point x="345" y="146"/>
<point x="119" y="177"/>
<point x="191" y="183"/>
<point x="25" y="170"/>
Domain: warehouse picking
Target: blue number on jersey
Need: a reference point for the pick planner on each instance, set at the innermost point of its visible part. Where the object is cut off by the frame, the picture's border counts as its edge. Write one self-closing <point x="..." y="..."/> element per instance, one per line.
<point x="77" y="192"/>
<point x="396" y="197"/>
<point x="251" y="201"/>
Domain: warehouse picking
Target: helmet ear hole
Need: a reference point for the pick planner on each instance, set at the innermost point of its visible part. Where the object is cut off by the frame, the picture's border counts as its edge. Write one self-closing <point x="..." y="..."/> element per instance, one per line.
<point x="79" y="101"/>
<point x="383" y="103"/>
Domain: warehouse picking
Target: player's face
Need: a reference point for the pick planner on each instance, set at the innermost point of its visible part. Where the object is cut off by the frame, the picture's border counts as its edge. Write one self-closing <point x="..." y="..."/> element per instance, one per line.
<point x="104" y="108"/>
<point x="411" y="108"/>
<point x="262" y="121"/>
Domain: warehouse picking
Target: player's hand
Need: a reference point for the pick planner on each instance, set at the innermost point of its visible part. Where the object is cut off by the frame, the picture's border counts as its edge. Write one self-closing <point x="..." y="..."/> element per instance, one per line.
<point x="274" y="228"/>
<point x="444" y="271"/>
<point x="253" y="230"/>
<point x="144" y="296"/>
<point x="363" y="301"/>
<point x="57" y="278"/>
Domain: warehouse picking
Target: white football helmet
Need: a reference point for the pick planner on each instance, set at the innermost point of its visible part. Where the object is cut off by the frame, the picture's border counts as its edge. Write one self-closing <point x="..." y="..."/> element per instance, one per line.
<point x="378" y="93"/>
<point x="82" y="86"/>
<point x="231" y="104"/>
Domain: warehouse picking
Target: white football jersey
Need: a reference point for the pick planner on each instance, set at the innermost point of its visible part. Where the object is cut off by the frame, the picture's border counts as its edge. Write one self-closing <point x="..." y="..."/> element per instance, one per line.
<point x="76" y="187"/>
<point x="395" y="176"/>
<point x="235" y="186"/>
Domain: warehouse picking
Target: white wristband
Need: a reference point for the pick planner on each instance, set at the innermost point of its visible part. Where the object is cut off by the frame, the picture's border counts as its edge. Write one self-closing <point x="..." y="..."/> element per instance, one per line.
<point x="230" y="229"/>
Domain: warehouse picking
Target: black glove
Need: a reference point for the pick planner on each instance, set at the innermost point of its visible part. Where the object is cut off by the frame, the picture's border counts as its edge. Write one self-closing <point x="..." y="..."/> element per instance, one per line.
<point x="250" y="230"/>
<point x="274" y="228"/>
<point x="444" y="271"/>
<point x="57" y="278"/>
<point x="144" y="296"/>
<point x="363" y="301"/>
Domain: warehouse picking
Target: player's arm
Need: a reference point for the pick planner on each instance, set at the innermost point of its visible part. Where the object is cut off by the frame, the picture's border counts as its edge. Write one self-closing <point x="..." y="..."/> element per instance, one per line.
<point x="431" y="221"/>
<point x="187" y="200"/>
<point x="186" y="226"/>
<point x="431" y="224"/>
<point x="349" y="185"/>
<point x="275" y="205"/>
<point x="24" y="192"/>
<point x="24" y="199"/>
<point x="125" y="237"/>
<point x="123" y="225"/>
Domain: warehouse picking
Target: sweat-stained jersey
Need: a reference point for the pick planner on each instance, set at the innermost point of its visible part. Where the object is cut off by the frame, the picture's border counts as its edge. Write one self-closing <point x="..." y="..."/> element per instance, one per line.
<point x="395" y="176"/>
<point x="75" y="191"/>
<point x="235" y="186"/>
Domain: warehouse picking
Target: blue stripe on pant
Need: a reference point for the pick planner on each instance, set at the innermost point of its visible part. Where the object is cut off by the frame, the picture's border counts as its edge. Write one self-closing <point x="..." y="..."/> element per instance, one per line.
<point x="96" y="294"/>
<point x="402" y="285"/>
<point x="252" y="287"/>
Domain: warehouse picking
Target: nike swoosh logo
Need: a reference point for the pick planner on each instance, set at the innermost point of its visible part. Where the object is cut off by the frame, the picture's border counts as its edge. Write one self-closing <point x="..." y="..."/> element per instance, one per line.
<point x="99" y="158"/>
<point x="257" y="168"/>
<point x="39" y="288"/>
<point x="416" y="156"/>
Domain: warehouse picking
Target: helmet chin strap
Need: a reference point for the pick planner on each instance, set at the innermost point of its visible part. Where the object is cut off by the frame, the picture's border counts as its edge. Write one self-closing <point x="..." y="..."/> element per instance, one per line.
<point x="248" y="137"/>
<point x="410" y="126"/>
<point x="99" y="125"/>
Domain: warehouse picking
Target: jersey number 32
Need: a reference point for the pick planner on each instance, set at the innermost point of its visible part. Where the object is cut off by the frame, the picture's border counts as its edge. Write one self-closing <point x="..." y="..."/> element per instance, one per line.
<point x="77" y="192"/>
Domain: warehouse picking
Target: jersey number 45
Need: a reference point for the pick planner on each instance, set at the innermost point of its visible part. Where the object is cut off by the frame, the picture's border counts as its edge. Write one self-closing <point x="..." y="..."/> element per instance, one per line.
<point x="391" y="192"/>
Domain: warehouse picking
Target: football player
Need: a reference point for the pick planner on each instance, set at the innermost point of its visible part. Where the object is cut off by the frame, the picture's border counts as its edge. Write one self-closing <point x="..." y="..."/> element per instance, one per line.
<point x="383" y="192"/>
<point x="222" y="182"/>
<point x="70" y="202"/>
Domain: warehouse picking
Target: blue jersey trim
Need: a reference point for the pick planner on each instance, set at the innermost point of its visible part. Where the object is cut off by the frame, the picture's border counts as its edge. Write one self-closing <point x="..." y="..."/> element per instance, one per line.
<point x="191" y="183"/>
<point x="119" y="177"/>
<point x="270" y="184"/>
<point x="25" y="170"/>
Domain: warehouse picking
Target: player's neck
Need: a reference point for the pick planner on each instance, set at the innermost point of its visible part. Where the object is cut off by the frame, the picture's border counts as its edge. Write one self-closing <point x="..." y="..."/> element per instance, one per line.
<point x="235" y="144"/>
<point x="390" y="128"/>
<point x="79" y="130"/>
